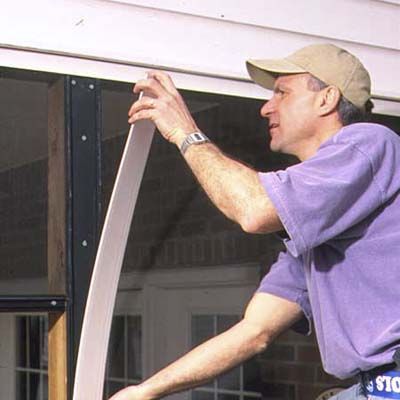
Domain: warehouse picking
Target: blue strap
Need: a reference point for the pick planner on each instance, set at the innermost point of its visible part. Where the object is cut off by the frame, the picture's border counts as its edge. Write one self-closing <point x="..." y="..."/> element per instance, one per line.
<point x="386" y="385"/>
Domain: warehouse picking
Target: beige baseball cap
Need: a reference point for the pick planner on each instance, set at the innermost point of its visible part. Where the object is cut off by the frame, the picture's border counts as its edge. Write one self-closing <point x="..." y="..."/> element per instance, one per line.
<point x="327" y="62"/>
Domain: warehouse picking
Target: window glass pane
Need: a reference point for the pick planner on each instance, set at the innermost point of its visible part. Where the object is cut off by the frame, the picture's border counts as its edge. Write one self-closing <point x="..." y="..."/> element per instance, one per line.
<point x="202" y="328"/>
<point x="117" y="348"/>
<point x="44" y="328"/>
<point x="45" y="386"/>
<point x="21" y="342"/>
<point x="34" y="385"/>
<point x="225" y="322"/>
<point x="134" y="352"/>
<point x="23" y="181"/>
<point x="21" y="386"/>
<point x="35" y="349"/>
<point x="230" y="380"/>
<point x="252" y="376"/>
<point x="200" y="395"/>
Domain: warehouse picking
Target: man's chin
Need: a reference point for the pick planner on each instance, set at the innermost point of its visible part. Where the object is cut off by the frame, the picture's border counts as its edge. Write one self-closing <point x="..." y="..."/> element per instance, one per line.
<point x="275" y="147"/>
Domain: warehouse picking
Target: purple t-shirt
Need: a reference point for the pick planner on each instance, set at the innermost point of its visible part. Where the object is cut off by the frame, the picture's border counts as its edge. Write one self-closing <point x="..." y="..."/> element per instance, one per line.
<point x="341" y="210"/>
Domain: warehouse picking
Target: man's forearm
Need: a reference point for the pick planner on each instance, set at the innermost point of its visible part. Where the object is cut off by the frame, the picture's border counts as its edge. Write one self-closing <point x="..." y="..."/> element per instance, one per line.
<point x="234" y="188"/>
<point x="205" y="362"/>
<point x="266" y="316"/>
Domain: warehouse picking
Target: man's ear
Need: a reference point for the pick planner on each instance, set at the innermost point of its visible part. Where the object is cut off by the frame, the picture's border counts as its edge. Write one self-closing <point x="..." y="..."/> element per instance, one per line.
<point x="328" y="100"/>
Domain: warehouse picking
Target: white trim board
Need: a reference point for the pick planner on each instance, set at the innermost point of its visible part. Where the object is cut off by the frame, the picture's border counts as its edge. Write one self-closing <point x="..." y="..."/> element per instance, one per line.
<point x="109" y="70"/>
<point x="121" y="72"/>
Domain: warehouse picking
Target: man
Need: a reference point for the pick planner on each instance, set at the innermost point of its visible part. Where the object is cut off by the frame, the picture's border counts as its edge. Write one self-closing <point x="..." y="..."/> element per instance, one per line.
<point x="340" y="207"/>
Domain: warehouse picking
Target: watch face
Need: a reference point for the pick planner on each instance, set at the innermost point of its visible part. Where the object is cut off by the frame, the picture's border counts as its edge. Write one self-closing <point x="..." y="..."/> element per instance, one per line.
<point x="327" y="394"/>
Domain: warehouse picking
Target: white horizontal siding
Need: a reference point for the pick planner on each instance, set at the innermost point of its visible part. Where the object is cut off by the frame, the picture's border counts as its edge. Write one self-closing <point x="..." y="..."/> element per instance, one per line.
<point x="372" y="22"/>
<point x="112" y="39"/>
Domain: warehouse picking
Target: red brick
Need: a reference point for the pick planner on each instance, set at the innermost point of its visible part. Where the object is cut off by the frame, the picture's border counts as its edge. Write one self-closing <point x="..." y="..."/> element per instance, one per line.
<point x="296" y="373"/>
<point x="308" y="354"/>
<point x="288" y="372"/>
<point x="324" y="378"/>
<point x="279" y="352"/>
<point x="309" y="392"/>
<point x="293" y="337"/>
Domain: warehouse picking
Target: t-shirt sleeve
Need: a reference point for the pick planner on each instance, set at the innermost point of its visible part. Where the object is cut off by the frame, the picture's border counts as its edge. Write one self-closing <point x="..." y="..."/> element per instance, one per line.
<point x="325" y="195"/>
<point x="286" y="279"/>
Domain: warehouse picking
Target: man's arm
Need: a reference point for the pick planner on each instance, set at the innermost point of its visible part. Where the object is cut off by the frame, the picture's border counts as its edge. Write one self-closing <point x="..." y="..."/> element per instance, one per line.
<point x="233" y="187"/>
<point x="266" y="316"/>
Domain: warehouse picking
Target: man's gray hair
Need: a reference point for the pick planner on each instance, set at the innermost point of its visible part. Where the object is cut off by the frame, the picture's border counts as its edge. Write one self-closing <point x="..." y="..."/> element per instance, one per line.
<point x="348" y="112"/>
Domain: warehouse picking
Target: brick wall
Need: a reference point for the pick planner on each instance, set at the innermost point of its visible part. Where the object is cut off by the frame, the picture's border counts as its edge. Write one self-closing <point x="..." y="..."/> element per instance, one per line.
<point x="291" y="368"/>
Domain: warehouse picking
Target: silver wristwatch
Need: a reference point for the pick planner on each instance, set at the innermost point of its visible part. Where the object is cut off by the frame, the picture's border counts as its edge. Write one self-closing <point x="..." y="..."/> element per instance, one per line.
<point x="193" y="138"/>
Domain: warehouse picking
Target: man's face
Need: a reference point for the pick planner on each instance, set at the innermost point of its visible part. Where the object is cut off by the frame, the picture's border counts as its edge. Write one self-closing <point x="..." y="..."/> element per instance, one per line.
<point x="292" y="114"/>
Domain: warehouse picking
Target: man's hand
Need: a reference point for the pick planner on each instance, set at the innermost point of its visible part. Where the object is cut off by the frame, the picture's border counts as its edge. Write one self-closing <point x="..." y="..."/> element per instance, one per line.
<point x="163" y="105"/>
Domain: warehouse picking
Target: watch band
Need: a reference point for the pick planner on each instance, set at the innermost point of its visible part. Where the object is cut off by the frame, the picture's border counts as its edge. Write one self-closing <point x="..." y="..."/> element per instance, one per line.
<point x="193" y="138"/>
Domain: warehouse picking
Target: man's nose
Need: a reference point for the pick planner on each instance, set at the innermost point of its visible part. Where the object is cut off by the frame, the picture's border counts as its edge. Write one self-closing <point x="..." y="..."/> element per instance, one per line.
<point x="268" y="108"/>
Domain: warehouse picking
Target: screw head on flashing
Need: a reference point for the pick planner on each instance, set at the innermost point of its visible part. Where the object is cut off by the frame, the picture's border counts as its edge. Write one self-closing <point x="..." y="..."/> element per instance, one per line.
<point x="91" y="86"/>
<point x="73" y="82"/>
<point x="84" y="138"/>
<point x="84" y="243"/>
<point x="53" y="303"/>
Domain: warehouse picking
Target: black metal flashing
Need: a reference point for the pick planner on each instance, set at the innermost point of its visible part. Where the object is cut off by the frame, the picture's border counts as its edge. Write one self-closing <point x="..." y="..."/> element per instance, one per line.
<point x="33" y="303"/>
<point x="83" y="116"/>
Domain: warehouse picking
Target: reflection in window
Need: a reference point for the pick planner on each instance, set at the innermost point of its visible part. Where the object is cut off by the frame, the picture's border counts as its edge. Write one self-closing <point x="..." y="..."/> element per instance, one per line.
<point x="241" y="382"/>
<point x="124" y="364"/>
<point x="31" y="357"/>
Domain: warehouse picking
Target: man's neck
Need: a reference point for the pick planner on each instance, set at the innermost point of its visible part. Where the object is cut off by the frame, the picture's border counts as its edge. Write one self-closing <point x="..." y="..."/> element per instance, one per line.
<point x="322" y="135"/>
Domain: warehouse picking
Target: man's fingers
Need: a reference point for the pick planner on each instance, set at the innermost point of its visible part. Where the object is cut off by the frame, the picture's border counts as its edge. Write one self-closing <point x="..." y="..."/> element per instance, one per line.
<point x="164" y="79"/>
<point x="162" y="104"/>
<point x="142" y="109"/>
<point x="143" y="114"/>
<point x="150" y="86"/>
<point x="144" y="103"/>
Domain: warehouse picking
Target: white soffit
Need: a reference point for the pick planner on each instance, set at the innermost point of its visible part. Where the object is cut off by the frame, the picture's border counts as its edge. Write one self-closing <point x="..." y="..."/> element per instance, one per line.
<point x="205" y="44"/>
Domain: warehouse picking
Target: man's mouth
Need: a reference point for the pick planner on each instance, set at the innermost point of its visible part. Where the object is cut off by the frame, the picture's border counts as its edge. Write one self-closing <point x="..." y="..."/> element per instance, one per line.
<point x="273" y="126"/>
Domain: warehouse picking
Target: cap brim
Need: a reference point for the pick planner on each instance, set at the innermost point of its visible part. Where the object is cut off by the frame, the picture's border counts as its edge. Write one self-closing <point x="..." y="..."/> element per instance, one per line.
<point x="264" y="72"/>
